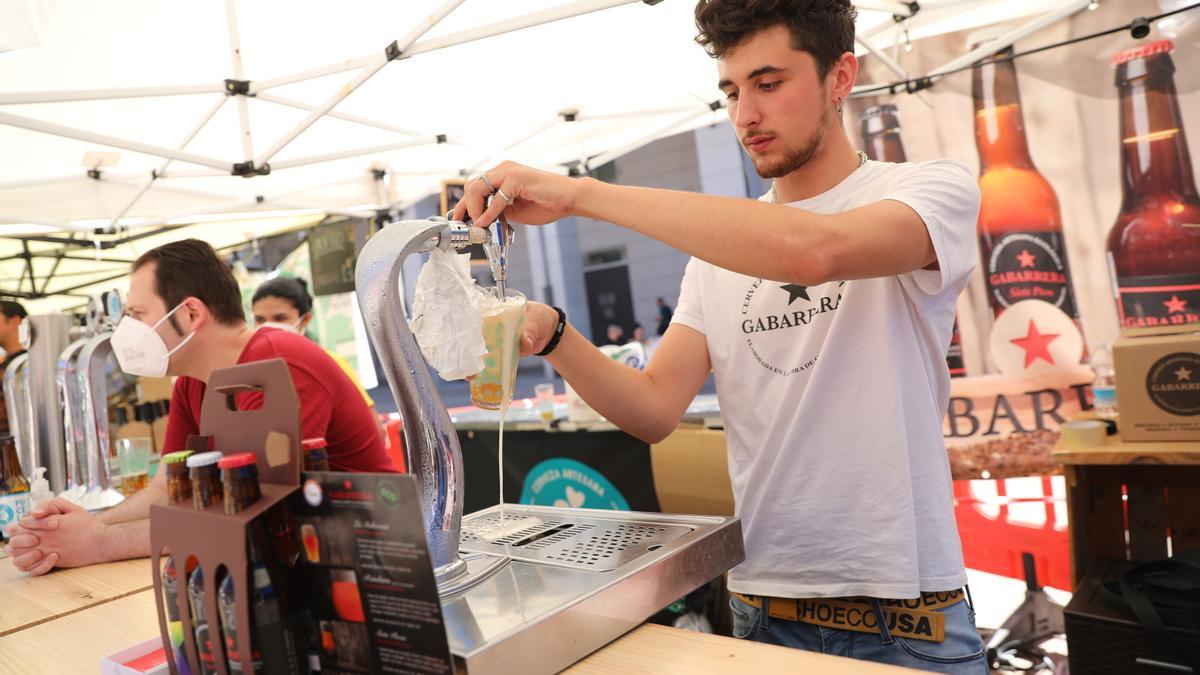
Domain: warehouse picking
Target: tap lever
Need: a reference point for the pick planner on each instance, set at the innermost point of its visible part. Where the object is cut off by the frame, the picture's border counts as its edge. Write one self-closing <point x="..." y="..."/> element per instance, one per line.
<point x="502" y="237"/>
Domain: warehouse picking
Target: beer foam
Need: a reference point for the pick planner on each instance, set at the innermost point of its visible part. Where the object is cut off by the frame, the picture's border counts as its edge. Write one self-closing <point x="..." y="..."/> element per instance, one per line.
<point x="508" y="525"/>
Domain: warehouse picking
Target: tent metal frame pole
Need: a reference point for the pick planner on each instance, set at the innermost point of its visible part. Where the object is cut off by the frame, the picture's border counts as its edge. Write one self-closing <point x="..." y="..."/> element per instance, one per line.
<point x="539" y="18"/>
<point x="258" y="86"/>
<point x="28" y="269"/>
<point x="896" y="7"/>
<point x="536" y="132"/>
<point x="60" y="227"/>
<point x="604" y="158"/>
<point x="355" y="152"/>
<point x="299" y="105"/>
<point x="377" y="64"/>
<point x="225" y="207"/>
<point x="381" y="188"/>
<point x="1064" y="10"/>
<point x="157" y="173"/>
<point x="328" y="211"/>
<point x="374" y="65"/>
<point x="72" y="95"/>
<point x="67" y="291"/>
<point x="39" y="182"/>
<point x="193" y="173"/>
<point x="54" y="269"/>
<point x="112" y="141"/>
<point x="103" y="259"/>
<point x="489" y="30"/>
<point x="886" y="60"/>
<point x="653" y="112"/>
<point x="235" y="54"/>
<point x="70" y="275"/>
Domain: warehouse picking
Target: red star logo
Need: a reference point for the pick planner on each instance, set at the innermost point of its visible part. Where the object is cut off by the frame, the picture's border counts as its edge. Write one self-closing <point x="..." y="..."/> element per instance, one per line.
<point x="1175" y="304"/>
<point x="348" y="484"/>
<point x="1036" y="345"/>
<point x="1026" y="258"/>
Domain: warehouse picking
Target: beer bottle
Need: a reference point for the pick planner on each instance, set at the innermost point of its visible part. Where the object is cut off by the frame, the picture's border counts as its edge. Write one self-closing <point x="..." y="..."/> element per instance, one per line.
<point x="1020" y="226"/>
<point x="315" y="454"/>
<point x="276" y="632"/>
<point x="14" y="487"/>
<point x="881" y="141"/>
<point x="206" y="491"/>
<point x="881" y="134"/>
<point x="1154" y="246"/>
<point x="179" y="491"/>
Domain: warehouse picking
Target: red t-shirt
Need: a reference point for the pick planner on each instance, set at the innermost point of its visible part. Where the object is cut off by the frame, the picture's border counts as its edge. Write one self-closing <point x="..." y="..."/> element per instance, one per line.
<point x="330" y="405"/>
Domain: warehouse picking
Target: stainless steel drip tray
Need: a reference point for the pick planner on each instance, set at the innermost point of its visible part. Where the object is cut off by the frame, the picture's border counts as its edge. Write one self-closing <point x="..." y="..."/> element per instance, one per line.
<point x="578" y="538"/>
<point x="576" y="580"/>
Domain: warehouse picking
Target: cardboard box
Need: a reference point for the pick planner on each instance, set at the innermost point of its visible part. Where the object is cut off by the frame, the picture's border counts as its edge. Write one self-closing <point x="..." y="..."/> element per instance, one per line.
<point x="144" y="658"/>
<point x="1158" y="383"/>
<point x="691" y="472"/>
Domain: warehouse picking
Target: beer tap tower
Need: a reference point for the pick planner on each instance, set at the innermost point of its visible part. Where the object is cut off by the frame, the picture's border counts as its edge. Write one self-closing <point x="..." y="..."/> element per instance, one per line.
<point x="96" y="363"/>
<point x="521" y="590"/>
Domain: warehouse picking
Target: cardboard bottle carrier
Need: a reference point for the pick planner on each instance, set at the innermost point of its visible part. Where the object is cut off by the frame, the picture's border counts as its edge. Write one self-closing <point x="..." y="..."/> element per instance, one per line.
<point x="215" y="539"/>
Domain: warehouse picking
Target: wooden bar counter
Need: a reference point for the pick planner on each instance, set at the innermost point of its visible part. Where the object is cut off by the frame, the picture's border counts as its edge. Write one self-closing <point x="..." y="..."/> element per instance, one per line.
<point x="67" y="621"/>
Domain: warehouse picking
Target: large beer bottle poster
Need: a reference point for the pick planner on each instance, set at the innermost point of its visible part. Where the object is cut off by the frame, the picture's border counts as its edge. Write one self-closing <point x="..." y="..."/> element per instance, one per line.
<point x="1089" y="221"/>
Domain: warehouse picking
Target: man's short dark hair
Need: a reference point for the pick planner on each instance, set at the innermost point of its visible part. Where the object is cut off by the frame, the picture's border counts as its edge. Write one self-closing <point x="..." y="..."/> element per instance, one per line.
<point x="191" y="268"/>
<point x="10" y="309"/>
<point x="823" y="28"/>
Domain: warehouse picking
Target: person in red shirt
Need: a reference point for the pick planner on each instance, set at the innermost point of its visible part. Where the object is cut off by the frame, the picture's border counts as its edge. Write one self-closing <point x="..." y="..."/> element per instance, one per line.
<point x="185" y="318"/>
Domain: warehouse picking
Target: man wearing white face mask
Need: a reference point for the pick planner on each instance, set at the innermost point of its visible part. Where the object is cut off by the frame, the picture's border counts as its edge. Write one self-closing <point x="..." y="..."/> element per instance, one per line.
<point x="185" y="318"/>
<point x="284" y="303"/>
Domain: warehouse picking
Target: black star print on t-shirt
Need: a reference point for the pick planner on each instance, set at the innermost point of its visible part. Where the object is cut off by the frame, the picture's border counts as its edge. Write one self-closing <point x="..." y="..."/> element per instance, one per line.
<point x="796" y="291"/>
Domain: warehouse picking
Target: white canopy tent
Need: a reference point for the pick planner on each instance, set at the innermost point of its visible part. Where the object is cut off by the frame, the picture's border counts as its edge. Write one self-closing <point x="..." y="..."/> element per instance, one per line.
<point x="118" y="120"/>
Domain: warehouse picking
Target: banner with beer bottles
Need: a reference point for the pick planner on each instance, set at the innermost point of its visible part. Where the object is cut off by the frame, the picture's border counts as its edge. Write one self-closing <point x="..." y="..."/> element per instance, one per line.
<point x="1089" y="221"/>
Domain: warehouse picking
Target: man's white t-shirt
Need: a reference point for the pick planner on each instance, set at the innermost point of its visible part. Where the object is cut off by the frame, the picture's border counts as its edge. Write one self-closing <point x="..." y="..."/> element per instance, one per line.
<point x="833" y="397"/>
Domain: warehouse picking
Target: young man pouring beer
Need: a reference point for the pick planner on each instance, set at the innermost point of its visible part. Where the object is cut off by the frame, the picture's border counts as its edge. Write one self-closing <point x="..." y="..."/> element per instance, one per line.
<point x="824" y="310"/>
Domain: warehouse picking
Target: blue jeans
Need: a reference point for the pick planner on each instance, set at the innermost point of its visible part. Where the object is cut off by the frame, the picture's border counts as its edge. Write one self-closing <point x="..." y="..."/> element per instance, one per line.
<point x="961" y="653"/>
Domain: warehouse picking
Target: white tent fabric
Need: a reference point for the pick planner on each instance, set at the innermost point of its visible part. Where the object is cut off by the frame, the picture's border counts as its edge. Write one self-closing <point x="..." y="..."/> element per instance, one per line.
<point x="477" y="80"/>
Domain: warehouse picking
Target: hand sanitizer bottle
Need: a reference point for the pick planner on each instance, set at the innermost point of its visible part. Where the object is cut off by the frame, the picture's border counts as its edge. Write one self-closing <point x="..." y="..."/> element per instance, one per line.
<point x="39" y="490"/>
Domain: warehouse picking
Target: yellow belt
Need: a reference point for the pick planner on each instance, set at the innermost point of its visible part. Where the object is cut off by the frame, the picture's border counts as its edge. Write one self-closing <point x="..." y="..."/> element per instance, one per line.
<point x="916" y="618"/>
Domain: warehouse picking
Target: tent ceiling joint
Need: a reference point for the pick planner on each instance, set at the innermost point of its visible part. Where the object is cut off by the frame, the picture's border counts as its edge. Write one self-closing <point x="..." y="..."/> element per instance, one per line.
<point x="248" y="170"/>
<point x="913" y="8"/>
<point x="237" y="87"/>
<point x="393" y="51"/>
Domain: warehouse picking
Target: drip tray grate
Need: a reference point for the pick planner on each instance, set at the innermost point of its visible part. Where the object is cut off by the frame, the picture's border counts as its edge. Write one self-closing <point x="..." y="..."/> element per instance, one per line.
<point x="583" y="542"/>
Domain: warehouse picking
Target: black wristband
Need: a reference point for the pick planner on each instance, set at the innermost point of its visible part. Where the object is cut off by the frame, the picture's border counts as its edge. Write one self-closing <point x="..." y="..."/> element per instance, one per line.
<point x="558" y="333"/>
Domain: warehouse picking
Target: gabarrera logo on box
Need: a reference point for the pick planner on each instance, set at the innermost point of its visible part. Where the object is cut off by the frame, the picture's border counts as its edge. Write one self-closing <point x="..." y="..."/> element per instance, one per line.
<point x="1173" y="383"/>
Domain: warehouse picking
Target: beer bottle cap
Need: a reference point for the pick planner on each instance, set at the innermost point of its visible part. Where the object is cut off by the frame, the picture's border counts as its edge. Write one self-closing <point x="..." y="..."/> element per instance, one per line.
<point x="238" y="460"/>
<point x="203" y="459"/>
<point x="178" y="456"/>
<point x="1142" y="51"/>
<point x="313" y="443"/>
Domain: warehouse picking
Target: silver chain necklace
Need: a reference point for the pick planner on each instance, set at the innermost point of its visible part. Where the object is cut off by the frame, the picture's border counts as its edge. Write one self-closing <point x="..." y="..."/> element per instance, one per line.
<point x="862" y="159"/>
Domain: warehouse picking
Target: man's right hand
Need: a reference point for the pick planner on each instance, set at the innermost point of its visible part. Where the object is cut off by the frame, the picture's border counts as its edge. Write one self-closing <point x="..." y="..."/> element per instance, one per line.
<point x="540" y="324"/>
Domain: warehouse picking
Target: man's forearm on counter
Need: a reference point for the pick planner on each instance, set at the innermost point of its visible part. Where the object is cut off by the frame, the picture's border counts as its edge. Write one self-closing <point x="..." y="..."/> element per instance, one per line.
<point x="126" y="540"/>
<point x="135" y="506"/>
